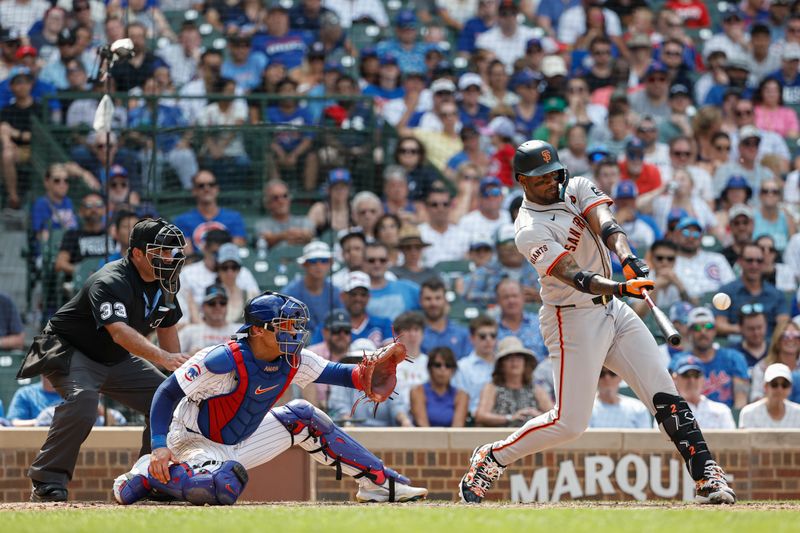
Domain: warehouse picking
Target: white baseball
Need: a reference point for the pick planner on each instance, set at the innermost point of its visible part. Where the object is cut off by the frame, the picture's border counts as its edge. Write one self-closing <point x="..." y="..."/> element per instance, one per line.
<point x="721" y="301"/>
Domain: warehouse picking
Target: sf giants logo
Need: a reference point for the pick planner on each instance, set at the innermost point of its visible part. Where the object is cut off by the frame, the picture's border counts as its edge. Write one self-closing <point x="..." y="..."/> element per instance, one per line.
<point x="537" y="253"/>
<point x="547" y="156"/>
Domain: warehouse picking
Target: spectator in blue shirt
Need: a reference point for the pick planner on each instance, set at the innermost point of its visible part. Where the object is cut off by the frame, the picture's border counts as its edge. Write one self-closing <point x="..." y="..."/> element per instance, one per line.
<point x="725" y="369"/>
<point x="750" y="293"/>
<point x="29" y="401"/>
<point x="515" y="321"/>
<point x="470" y="111"/>
<point x="291" y="146"/>
<point x="387" y="298"/>
<point x="475" y="370"/>
<point x="243" y="65"/>
<point x="388" y="86"/>
<point x="439" y="329"/>
<point x="788" y="75"/>
<point x="548" y="13"/>
<point x="208" y="215"/>
<point x="315" y="288"/>
<point x="280" y="42"/>
<point x="307" y="16"/>
<point x="485" y="19"/>
<point x="406" y="48"/>
<point x="53" y="210"/>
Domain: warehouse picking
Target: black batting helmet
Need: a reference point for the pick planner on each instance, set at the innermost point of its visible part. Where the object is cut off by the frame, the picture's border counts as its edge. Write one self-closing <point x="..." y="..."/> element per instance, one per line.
<point x="535" y="158"/>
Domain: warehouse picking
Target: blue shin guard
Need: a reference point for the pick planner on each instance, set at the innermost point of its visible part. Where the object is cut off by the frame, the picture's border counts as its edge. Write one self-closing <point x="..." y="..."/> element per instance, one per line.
<point x="329" y="445"/>
<point x="200" y="486"/>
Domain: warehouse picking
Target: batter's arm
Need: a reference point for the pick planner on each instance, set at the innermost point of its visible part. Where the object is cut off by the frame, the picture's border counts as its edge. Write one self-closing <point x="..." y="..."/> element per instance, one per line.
<point x="567" y="270"/>
<point x="600" y="217"/>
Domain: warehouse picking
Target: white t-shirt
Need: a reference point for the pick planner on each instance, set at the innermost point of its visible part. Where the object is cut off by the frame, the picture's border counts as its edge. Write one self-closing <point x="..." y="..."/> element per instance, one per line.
<point x="459" y="10"/>
<point x="546" y="233"/>
<point x="350" y="10"/>
<point x="572" y="24"/>
<point x="19" y="16"/>
<point x="755" y="415"/>
<point x="196" y="277"/>
<point x="474" y="223"/>
<point x="409" y="375"/>
<point x="627" y="413"/>
<point x="507" y="48"/>
<point x="452" y="245"/>
<point x="212" y="115"/>
<point x="394" y="109"/>
<point x="195" y="337"/>
<point x="705" y="272"/>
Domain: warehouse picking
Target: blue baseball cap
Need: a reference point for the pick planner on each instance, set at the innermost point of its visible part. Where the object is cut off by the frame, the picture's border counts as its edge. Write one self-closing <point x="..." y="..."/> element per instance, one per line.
<point x="406" y="18"/>
<point x="526" y="77"/>
<point x="597" y="153"/>
<point x="369" y="51"/>
<point x="679" y="312"/>
<point x="117" y="170"/>
<point x="685" y="364"/>
<point x="339" y="175"/>
<point x="634" y="145"/>
<point x="333" y="66"/>
<point x="656" y="67"/>
<point x="490" y="182"/>
<point x="625" y="189"/>
<point x="688" y="222"/>
<point x="389" y="59"/>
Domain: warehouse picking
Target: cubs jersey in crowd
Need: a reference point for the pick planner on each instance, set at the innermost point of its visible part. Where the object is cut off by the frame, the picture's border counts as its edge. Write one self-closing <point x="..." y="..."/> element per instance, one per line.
<point x="546" y="233"/>
<point x="115" y="293"/>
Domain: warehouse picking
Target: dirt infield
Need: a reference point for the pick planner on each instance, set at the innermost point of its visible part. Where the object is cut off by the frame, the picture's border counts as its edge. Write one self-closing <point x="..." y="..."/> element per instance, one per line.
<point x="741" y="506"/>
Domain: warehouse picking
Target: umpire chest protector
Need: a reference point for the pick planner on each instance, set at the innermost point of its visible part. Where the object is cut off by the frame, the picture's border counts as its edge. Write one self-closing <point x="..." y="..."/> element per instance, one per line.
<point x="232" y="417"/>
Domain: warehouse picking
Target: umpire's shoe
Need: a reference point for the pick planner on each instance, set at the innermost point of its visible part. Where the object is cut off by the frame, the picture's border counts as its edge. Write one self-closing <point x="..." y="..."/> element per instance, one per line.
<point x="713" y="488"/>
<point x="48" y="492"/>
<point x="484" y="470"/>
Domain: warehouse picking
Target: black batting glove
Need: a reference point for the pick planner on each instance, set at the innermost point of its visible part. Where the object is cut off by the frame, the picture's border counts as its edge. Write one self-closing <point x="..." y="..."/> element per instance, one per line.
<point x="633" y="268"/>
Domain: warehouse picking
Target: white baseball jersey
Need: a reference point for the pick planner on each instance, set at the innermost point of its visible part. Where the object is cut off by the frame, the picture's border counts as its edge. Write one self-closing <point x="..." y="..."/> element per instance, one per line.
<point x="199" y="383"/>
<point x="546" y="233"/>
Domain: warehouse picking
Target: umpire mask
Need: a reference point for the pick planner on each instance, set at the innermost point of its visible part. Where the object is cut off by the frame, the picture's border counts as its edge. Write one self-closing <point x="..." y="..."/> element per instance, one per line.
<point x="163" y="245"/>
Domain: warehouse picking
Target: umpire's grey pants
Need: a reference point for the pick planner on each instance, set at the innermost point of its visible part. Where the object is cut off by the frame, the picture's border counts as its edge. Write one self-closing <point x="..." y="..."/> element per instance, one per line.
<point x="132" y="382"/>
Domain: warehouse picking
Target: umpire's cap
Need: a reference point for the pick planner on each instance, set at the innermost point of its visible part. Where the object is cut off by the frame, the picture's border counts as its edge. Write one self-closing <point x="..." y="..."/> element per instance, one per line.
<point x="535" y="158"/>
<point x="147" y="231"/>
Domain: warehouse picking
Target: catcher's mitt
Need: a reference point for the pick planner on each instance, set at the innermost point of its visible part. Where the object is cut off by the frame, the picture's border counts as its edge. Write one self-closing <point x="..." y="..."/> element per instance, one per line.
<point x="376" y="373"/>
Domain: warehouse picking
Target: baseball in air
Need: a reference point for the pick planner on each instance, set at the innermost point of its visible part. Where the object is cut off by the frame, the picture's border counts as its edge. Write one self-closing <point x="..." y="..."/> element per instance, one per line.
<point x="721" y="301"/>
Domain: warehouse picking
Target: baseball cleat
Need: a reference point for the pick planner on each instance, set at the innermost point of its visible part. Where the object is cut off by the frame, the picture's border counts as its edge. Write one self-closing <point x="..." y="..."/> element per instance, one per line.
<point x="483" y="471"/>
<point x="369" y="492"/>
<point x="713" y="489"/>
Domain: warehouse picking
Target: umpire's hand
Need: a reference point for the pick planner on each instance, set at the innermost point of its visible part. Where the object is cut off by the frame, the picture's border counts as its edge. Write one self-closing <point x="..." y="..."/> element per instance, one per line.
<point x="173" y="361"/>
<point x="160" y="459"/>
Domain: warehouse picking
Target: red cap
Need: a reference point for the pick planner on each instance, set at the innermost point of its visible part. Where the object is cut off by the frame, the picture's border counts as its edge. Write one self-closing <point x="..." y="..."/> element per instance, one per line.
<point x="23" y="51"/>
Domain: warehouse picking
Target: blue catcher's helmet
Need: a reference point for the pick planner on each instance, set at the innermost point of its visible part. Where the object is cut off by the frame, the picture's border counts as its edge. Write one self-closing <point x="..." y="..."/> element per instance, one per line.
<point x="285" y="316"/>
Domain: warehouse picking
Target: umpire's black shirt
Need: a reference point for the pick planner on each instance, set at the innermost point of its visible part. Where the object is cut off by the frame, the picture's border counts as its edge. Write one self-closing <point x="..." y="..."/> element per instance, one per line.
<point x="115" y="293"/>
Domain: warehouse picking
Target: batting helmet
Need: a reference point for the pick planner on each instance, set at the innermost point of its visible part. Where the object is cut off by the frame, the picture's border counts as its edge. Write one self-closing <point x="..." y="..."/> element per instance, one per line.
<point x="153" y="237"/>
<point x="536" y="158"/>
<point x="284" y="315"/>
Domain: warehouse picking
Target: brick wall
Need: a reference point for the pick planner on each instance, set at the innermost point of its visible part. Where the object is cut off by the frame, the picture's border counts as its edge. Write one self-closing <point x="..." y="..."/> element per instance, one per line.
<point x="602" y="464"/>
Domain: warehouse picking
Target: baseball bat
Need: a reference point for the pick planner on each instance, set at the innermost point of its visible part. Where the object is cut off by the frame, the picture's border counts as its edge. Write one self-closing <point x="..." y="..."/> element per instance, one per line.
<point x="664" y="323"/>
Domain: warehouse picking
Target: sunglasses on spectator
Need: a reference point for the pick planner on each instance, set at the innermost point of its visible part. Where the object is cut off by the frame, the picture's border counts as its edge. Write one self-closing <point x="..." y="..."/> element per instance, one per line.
<point x="205" y="185"/>
<point x="275" y="197"/>
<point x="780" y="383"/>
<point x="494" y="191"/>
<point x="753" y="260"/>
<point x="340" y="331"/>
<point x="723" y="147"/>
<point x="443" y="365"/>
<point x="701" y="327"/>
<point x="490" y="335"/>
<point x="381" y="260"/>
<point x="438" y="204"/>
<point x="752" y="309"/>
<point x="646" y="129"/>
<point x="695" y="374"/>
<point x="752" y="143"/>
<point x="607" y="374"/>
<point x="408" y="151"/>
<point x="743" y="112"/>
<point x="601" y="52"/>
<point x="230" y="267"/>
<point x="669" y="258"/>
<point x="681" y="153"/>
<point x="776" y="192"/>
<point x="768" y="249"/>
<point x="217" y="303"/>
<point x="60" y="180"/>
<point x="317" y="261"/>
<point x="672" y="53"/>
<point x="689" y="233"/>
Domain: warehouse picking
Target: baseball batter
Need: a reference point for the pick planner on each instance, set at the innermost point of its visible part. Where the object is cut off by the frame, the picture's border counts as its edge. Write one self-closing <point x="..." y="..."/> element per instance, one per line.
<point x="565" y="228"/>
<point x="220" y="403"/>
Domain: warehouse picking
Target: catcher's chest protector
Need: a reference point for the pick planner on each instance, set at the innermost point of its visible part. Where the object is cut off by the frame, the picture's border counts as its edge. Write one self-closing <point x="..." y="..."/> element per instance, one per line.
<point x="230" y="418"/>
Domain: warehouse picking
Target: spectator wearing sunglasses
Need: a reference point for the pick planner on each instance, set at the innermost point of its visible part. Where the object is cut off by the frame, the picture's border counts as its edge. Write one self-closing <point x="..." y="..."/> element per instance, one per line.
<point x="215" y="328"/>
<point x="90" y="240"/>
<point x="336" y="339"/>
<point x="229" y="264"/>
<point x="661" y="258"/>
<point x="613" y="410"/>
<point x="740" y="226"/>
<point x="475" y="370"/>
<point x="388" y="298"/>
<point x="776" y="272"/>
<point x="751" y="294"/>
<point x="646" y="176"/>
<point x="725" y="370"/>
<point x="315" y="288"/>
<point x="784" y="348"/>
<point x="700" y="270"/>
<point x="753" y="326"/>
<point x="691" y="384"/>
<point x="652" y="100"/>
<point x="771" y="218"/>
<point x="774" y="411"/>
<point x="438" y="403"/>
<point x="747" y="164"/>
<point x="489" y="216"/>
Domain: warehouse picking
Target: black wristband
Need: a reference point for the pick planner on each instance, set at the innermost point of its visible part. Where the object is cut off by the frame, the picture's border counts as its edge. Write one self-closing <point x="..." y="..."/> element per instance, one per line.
<point x="583" y="280"/>
<point x="608" y="229"/>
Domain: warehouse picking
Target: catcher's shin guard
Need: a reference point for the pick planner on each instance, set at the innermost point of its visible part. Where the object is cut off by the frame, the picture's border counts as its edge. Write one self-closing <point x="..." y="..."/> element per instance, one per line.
<point x="329" y="445"/>
<point x="674" y="415"/>
<point x="201" y="486"/>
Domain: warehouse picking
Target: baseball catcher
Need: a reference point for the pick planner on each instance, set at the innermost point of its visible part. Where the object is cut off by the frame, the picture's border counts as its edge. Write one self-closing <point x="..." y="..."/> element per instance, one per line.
<point x="213" y="419"/>
<point x="565" y="228"/>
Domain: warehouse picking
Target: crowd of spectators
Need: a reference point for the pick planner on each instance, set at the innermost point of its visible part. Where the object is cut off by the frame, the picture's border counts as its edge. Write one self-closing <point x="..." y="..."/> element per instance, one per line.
<point x="685" y="114"/>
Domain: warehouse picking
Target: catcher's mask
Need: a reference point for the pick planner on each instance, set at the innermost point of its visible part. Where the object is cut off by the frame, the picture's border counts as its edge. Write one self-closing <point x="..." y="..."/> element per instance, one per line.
<point x="154" y="237"/>
<point x="537" y="158"/>
<point x="283" y="315"/>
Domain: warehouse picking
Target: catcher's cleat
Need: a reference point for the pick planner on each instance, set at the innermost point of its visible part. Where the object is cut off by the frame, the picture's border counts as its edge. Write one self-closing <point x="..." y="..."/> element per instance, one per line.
<point x="713" y="488"/>
<point x="390" y="491"/>
<point x="483" y="471"/>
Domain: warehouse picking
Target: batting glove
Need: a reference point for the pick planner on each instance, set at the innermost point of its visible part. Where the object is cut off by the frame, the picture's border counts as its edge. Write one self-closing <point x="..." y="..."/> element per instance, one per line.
<point x="633" y="287"/>
<point x="633" y="267"/>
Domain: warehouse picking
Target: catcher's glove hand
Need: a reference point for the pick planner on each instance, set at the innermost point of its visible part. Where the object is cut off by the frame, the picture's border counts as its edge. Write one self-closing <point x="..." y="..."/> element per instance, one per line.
<point x="376" y="373"/>
<point x="633" y="287"/>
<point x="634" y="267"/>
